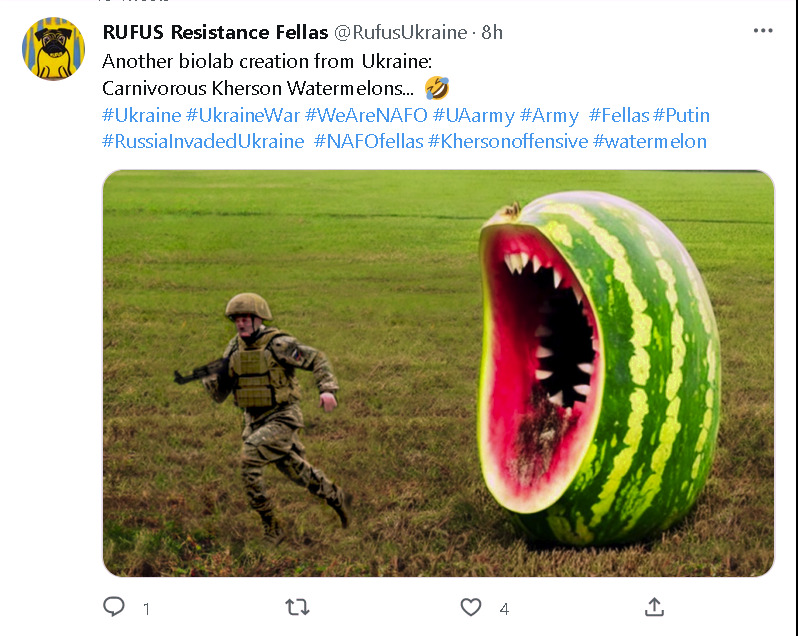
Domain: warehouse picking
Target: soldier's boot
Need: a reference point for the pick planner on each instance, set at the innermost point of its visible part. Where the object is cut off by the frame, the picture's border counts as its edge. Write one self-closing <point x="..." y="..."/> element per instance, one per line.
<point x="342" y="504"/>
<point x="273" y="533"/>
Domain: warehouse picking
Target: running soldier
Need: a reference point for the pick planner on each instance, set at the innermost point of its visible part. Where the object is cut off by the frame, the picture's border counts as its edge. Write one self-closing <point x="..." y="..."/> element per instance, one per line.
<point x="261" y="365"/>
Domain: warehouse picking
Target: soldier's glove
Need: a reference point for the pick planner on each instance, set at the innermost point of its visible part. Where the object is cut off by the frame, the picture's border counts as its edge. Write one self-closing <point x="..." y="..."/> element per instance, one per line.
<point x="216" y="387"/>
<point x="210" y="381"/>
<point x="327" y="401"/>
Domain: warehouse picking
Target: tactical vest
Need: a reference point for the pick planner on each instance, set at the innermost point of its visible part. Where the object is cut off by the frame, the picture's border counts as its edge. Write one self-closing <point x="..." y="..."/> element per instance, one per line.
<point x="259" y="379"/>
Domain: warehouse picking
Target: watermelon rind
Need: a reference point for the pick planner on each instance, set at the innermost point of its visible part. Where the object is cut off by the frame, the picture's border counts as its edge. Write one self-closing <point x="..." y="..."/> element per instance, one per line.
<point x="648" y="449"/>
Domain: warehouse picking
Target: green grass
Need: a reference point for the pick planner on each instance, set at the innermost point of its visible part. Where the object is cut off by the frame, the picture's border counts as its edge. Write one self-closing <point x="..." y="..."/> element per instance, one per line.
<point x="380" y="270"/>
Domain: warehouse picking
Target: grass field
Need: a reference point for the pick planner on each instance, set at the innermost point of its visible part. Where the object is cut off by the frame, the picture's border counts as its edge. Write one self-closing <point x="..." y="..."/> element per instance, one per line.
<point x="380" y="271"/>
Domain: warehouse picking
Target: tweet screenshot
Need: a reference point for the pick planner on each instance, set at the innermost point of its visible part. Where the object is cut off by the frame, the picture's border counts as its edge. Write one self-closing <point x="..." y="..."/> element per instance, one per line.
<point x="371" y="317"/>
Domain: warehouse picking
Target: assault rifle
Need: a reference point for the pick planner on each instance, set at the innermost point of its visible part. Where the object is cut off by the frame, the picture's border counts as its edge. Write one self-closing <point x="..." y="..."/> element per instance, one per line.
<point x="216" y="367"/>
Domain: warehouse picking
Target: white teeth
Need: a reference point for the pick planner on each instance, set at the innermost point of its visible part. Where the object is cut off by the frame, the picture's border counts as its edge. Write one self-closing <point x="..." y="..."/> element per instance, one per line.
<point x="568" y="412"/>
<point x="509" y="260"/>
<point x="516" y="262"/>
<point x="542" y="374"/>
<point x="556" y="399"/>
<point x="535" y="264"/>
<point x="543" y="331"/>
<point x="557" y="279"/>
<point x="595" y="344"/>
<point x="582" y="389"/>
<point x="579" y="295"/>
<point x="542" y="352"/>
<point x="586" y="367"/>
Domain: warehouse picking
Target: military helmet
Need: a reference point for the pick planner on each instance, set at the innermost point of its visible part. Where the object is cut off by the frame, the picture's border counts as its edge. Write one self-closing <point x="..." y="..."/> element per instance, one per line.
<point x="248" y="303"/>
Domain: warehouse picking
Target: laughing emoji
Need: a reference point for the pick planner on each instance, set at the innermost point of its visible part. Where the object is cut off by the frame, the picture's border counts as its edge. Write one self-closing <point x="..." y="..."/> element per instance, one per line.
<point x="437" y="87"/>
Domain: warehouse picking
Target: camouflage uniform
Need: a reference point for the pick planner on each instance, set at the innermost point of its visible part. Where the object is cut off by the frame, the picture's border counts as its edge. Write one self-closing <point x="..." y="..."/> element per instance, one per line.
<point x="271" y="432"/>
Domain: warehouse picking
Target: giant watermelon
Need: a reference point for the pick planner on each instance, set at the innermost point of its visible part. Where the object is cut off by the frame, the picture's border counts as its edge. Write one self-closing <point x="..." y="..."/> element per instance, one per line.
<point x="599" y="387"/>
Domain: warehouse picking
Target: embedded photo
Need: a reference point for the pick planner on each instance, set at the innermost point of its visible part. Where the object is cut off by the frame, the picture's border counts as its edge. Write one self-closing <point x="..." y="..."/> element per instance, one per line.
<point x="438" y="373"/>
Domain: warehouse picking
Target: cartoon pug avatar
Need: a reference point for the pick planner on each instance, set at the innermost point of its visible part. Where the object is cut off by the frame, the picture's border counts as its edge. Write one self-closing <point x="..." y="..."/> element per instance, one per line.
<point x="53" y="48"/>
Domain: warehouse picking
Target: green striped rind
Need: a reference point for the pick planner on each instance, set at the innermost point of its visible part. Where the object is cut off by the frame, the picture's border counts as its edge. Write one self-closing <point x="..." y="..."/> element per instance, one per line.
<point x="655" y="436"/>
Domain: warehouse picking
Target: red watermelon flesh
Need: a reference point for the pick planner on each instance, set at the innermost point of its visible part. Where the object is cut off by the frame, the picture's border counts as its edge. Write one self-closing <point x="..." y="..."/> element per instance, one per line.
<point x="544" y="357"/>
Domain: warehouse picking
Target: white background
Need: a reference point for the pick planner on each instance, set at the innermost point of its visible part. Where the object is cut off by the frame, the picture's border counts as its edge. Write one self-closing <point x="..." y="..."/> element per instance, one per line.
<point x="556" y="55"/>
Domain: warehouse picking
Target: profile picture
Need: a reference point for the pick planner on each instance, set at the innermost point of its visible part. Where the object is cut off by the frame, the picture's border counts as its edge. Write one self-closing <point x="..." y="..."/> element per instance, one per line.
<point x="53" y="48"/>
